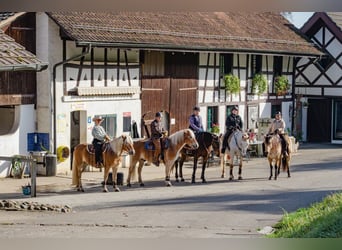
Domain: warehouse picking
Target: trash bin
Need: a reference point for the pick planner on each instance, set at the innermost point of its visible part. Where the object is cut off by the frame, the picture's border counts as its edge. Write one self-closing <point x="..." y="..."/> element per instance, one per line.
<point x="51" y="164"/>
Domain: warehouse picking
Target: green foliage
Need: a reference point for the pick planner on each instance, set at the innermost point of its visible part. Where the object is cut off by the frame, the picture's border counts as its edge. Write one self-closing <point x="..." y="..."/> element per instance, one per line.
<point x="321" y="220"/>
<point x="215" y="129"/>
<point x="281" y="85"/>
<point x="232" y="83"/>
<point x="259" y="84"/>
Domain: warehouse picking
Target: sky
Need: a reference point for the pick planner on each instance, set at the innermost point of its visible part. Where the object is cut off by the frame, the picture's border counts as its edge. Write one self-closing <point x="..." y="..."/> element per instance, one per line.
<point x="299" y="18"/>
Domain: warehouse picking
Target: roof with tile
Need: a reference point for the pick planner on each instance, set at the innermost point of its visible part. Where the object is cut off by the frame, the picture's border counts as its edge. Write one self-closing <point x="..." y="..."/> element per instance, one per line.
<point x="13" y="56"/>
<point x="195" y="31"/>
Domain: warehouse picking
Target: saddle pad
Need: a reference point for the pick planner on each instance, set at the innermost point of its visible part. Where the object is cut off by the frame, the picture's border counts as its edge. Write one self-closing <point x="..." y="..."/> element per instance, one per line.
<point x="148" y="145"/>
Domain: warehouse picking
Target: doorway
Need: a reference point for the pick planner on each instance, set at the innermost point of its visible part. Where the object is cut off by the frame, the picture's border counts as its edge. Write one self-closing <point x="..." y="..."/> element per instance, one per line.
<point x="78" y="130"/>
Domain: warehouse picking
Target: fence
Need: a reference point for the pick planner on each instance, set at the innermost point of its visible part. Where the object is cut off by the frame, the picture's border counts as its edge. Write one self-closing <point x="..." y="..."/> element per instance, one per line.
<point x="33" y="169"/>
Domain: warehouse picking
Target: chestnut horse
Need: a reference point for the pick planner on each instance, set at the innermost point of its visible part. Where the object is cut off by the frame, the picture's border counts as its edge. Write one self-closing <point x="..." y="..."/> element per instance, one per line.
<point x="176" y="142"/>
<point x="207" y="142"/>
<point x="238" y="144"/>
<point x="111" y="159"/>
<point x="273" y="147"/>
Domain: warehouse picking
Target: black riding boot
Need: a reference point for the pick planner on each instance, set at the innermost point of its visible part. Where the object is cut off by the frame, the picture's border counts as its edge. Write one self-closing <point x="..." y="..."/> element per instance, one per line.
<point x="225" y="143"/>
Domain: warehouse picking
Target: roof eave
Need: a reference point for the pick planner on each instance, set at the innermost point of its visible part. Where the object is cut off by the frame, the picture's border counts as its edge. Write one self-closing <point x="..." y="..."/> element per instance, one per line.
<point x="26" y="67"/>
<point x="182" y="48"/>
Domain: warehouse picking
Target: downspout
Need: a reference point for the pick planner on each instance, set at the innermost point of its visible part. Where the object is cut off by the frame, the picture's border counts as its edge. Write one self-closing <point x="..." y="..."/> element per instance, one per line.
<point x="54" y="92"/>
<point x="294" y="108"/>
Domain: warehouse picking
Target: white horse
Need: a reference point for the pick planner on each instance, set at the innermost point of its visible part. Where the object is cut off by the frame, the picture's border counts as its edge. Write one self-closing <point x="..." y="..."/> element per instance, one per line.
<point x="238" y="144"/>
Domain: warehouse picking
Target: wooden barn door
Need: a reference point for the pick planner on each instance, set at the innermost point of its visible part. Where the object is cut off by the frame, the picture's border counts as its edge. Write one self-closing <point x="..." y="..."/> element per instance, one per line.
<point x="319" y="120"/>
<point x="174" y="90"/>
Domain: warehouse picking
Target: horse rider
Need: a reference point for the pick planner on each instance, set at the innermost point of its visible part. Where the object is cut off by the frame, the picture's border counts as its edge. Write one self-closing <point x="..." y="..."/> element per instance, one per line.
<point x="278" y="127"/>
<point x="233" y="122"/>
<point x="100" y="137"/>
<point x="157" y="133"/>
<point x="195" y="121"/>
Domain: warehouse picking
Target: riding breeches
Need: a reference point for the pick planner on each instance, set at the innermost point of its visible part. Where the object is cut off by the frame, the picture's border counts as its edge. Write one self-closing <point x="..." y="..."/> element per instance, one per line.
<point x="98" y="150"/>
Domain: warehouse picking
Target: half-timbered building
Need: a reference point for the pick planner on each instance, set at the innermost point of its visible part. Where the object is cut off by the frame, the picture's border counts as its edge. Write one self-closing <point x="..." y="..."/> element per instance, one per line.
<point x="319" y="82"/>
<point x="18" y="67"/>
<point x="127" y="64"/>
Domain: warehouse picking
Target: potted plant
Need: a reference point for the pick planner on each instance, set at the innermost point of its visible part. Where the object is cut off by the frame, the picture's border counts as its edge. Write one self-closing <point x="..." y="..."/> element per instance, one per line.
<point x="281" y="85"/>
<point x="215" y="129"/>
<point x="232" y="83"/>
<point x="259" y="84"/>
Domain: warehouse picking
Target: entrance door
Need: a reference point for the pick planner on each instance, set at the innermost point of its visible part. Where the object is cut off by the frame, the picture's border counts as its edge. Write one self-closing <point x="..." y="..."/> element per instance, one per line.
<point x="319" y="120"/>
<point x="78" y="130"/>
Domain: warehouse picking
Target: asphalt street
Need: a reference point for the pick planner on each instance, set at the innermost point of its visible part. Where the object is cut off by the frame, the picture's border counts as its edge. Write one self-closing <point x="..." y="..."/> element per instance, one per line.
<point x="217" y="209"/>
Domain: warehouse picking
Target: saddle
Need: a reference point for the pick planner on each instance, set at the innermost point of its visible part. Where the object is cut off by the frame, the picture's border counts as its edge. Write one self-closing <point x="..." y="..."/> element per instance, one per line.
<point x="91" y="148"/>
<point x="149" y="145"/>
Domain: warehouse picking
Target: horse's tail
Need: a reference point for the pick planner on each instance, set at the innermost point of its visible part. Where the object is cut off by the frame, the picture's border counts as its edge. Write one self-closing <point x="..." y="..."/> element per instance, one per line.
<point x="284" y="162"/>
<point x="75" y="171"/>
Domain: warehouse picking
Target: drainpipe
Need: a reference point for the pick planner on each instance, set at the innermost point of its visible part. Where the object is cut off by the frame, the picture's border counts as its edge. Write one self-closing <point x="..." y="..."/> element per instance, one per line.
<point x="54" y="92"/>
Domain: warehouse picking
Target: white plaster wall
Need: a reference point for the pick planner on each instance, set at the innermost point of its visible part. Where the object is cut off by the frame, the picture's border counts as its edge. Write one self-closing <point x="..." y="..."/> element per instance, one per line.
<point x="16" y="142"/>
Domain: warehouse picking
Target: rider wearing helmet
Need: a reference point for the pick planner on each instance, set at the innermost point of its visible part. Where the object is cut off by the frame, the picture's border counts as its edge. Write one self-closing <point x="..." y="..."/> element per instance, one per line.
<point x="233" y="122"/>
<point x="157" y="132"/>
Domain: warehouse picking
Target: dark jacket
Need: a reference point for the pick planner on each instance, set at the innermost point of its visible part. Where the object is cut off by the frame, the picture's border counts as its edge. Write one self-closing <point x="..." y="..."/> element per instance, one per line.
<point x="233" y="121"/>
<point x="156" y="129"/>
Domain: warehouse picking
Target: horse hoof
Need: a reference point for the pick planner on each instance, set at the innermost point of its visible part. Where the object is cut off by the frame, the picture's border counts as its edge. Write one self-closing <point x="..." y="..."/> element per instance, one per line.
<point x="177" y="180"/>
<point x="129" y="185"/>
<point x="222" y="176"/>
<point x="105" y="190"/>
<point x="231" y="178"/>
<point x="168" y="184"/>
<point x="193" y="181"/>
<point x="182" y="180"/>
<point x="142" y="185"/>
<point x="270" y="178"/>
<point x="204" y="181"/>
<point x="240" y="178"/>
<point x="116" y="190"/>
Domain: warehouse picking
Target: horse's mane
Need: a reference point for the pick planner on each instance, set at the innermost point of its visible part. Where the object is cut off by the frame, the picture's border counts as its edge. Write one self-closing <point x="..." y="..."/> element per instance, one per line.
<point x="178" y="137"/>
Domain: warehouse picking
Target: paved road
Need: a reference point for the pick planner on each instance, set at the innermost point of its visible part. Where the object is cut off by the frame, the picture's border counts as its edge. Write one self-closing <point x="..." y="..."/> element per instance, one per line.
<point x="218" y="209"/>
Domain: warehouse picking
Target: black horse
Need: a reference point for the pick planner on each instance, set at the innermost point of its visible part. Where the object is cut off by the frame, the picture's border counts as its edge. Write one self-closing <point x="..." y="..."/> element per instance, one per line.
<point x="207" y="142"/>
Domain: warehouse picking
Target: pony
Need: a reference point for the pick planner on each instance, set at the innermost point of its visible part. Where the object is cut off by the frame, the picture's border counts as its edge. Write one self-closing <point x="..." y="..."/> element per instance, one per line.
<point x="207" y="142"/>
<point x="274" y="156"/>
<point x="176" y="142"/>
<point x="238" y="144"/>
<point x="113" y="151"/>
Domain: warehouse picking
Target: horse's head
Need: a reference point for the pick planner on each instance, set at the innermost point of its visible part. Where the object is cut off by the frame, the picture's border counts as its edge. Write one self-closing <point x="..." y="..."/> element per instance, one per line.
<point x="244" y="143"/>
<point x="127" y="144"/>
<point x="190" y="139"/>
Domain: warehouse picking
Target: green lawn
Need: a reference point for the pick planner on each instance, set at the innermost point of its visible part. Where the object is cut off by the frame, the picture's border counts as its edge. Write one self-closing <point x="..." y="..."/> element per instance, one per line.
<point x="320" y="220"/>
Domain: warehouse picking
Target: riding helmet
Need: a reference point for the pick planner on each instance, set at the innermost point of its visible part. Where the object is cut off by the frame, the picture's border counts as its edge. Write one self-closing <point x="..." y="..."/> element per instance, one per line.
<point x="236" y="108"/>
<point x="278" y="113"/>
<point x="159" y="114"/>
<point x="196" y="108"/>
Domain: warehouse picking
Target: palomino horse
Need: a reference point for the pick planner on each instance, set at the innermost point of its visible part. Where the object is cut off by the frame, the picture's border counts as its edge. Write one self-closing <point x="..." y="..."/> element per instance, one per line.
<point x="207" y="142"/>
<point x="111" y="156"/>
<point x="238" y="144"/>
<point x="176" y="142"/>
<point x="273" y="147"/>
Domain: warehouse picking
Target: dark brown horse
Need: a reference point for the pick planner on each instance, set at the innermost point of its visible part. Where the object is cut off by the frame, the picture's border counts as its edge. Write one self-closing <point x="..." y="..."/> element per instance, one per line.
<point x="207" y="142"/>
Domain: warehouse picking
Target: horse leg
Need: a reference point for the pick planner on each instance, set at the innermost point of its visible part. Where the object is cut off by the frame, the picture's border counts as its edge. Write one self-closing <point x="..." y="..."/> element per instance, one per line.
<point x="271" y="174"/>
<point x="105" y="178"/>
<point x="204" y="165"/>
<point x="176" y="169"/>
<point x="115" y="178"/>
<point x="231" y="166"/>
<point x="167" y="174"/>
<point x="223" y="167"/>
<point x="181" y="163"/>
<point x="193" y="178"/>
<point x="80" y="170"/>
<point x="141" y="164"/>
<point x="240" y="169"/>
